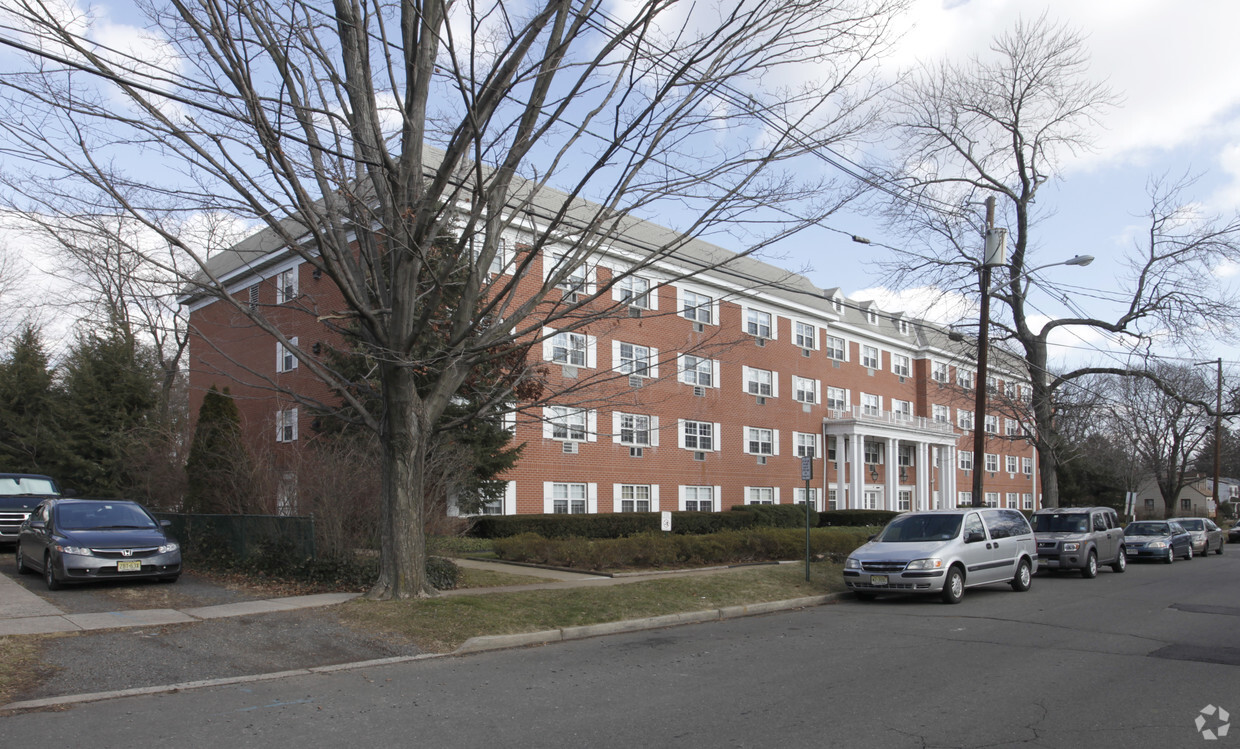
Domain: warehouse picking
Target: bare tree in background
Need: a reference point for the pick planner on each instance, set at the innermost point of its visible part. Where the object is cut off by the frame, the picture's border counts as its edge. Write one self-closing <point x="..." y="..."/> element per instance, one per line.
<point x="1003" y="126"/>
<point x="394" y="144"/>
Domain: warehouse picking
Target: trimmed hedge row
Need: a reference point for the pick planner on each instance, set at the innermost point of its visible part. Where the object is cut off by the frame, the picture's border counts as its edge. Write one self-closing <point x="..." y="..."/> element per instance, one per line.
<point x="622" y="525"/>
<point x="855" y="518"/>
<point x="666" y="550"/>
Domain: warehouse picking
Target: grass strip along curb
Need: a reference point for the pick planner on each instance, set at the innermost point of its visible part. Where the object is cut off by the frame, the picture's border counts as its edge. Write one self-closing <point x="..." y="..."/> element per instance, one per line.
<point x="472" y="645"/>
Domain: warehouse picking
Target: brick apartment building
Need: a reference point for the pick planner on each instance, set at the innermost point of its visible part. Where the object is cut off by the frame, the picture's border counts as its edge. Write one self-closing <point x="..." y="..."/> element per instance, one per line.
<point x="709" y="390"/>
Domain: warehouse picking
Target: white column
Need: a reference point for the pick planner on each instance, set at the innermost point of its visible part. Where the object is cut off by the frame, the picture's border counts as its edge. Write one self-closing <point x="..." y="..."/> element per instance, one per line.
<point x="922" y="493"/>
<point x="891" y="488"/>
<point x="949" y="476"/>
<point x="857" y="457"/>
<point x="841" y="482"/>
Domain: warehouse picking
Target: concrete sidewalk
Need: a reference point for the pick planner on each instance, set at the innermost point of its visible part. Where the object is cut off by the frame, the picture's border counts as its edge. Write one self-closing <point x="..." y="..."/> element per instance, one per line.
<point x="25" y="613"/>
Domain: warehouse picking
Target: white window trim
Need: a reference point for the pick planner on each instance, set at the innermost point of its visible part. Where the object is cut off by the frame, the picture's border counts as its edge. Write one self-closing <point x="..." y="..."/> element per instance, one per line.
<point x="817" y="389"/>
<point x="552" y="263"/>
<point x="286" y="417"/>
<point x="549" y="498"/>
<point x="908" y="364"/>
<point x="746" y="309"/>
<point x="846" y="346"/>
<point x="549" y="335"/>
<point x="774" y="441"/>
<point x="878" y="355"/>
<point x="715" y="499"/>
<point x="847" y="397"/>
<point x="745" y="376"/>
<point x="715" y="435"/>
<point x="817" y="334"/>
<point x="682" y="371"/>
<point x="652" y="369"/>
<point x="714" y="303"/>
<point x="294" y="271"/>
<point x="863" y="404"/>
<point x="282" y="353"/>
<point x="817" y="441"/>
<point x="549" y="417"/>
<point x="616" y="498"/>
<point x="774" y="493"/>
<point x="652" y="292"/>
<point x="616" y="417"/>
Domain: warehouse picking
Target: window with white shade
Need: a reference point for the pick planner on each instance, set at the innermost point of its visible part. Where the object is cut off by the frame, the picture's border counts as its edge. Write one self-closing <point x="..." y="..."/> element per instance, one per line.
<point x="760" y="382"/>
<point x="696" y="307"/>
<point x="759" y="441"/>
<point x="901" y="365"/>
<point x="870" y="358"/>
<point x="699" y="371"/>
<point x="805" y="389"/>
<point x="837" y="348"/>
<point x="805" y="335"/>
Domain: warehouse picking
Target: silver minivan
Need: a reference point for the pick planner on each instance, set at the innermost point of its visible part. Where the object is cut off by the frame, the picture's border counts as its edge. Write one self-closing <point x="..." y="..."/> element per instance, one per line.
<point x="944" y="552"/>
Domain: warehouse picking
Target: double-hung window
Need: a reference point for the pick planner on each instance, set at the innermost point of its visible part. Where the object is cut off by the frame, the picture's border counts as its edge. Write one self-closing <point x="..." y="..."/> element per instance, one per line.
<point x="758" y="323"/>
<point x="699" y="436"/>
<point x="938" y="371"/>
<point x="805" y="444"/>
<point x="759" y="495"/>
<point x="964" y="378"/>
<point x="901" y="365"/>
<point x="902" y="409"/>
<point x="568" y="499"/>
<point x="760" y="382"/>
<point x="873" y="452"/>
<point x="871" y="405"/>
<point x="759" y="441"/>
<point x="286" y="425"/>
<point x="837" y="348"/>
<point x="870" y="358"/>
<point x="992" y="462"/>
<point x="805" y="389"/>
<point x="285" y="360"/>
<point x="806" y="335"/>
<point x="941" y="414"/>
<point x="1013" y="465"/>
<point x="837" y="399"/>
<point x="964" y="419"/>
<point x="634" y="291"/>
<point x="1026" y="466"/>
<point x="286" y="285"/>
<point x="567" y="423"/>
<point x="992" y="424"/>
<point x="965" y="459"/>
<point x="696" y="307"/>
<point x="634" y="360"/>
<point x="696" y="370"/>
<point x="634" y="498"/>
<point x="569" y="348"/>
<point x="699" y="498"/>
<point x="634" y="429"/>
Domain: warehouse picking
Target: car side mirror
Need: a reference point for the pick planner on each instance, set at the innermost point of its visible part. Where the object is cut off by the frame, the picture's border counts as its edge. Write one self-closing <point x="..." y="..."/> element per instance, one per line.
<point x="38" y="524"/>
<point x="973" y="537"/>
<point x="165" y="523"/>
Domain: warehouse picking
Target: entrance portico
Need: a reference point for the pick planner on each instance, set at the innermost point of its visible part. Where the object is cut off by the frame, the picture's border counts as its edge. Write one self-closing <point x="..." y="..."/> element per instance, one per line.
<point x="864" y="441"/>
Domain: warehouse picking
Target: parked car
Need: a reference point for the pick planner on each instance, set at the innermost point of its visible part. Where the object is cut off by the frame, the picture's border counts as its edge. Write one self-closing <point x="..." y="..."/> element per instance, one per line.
<point x="1206" y="535"/>
<point x="20" y="493"/>
<point x="944" y="552"/>
<point x="1233" y="535"/>
<point x="1079" y="538"/>
<point x="1157" y="539"/>
<point x="82" y="540"/>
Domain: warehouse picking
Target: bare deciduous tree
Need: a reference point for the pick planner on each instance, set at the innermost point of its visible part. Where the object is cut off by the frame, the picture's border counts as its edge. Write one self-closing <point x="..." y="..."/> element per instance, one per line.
<point x="394" y="145"/>
<point x="1003" y="126"/>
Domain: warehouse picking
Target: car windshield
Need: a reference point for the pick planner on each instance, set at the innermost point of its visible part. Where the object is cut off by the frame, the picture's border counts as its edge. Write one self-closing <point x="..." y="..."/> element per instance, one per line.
<point x="917" y="528"/>
<point x="1192" y="525"/>
<point x="101" y="516"/>
<point x="14" y="486"/>
<point x="1146" y="529"/>
<point x="1069" y="522"/>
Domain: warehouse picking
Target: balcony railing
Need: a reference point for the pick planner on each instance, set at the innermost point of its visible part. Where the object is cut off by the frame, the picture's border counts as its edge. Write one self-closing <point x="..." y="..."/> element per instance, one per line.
<point x="861" y="413"/>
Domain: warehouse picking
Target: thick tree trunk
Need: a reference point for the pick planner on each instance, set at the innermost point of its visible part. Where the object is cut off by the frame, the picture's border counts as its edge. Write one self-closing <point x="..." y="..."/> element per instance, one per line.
<point x="1043" y="408"/>
<point x="402" y="553"/>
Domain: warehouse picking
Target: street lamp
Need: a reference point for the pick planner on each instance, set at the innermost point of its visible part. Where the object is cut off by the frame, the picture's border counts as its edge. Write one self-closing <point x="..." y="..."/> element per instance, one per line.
<point x="996" y="254"/>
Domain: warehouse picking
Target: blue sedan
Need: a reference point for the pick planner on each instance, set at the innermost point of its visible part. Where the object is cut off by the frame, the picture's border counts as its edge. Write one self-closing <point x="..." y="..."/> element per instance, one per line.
<point x="1161" y="540"/>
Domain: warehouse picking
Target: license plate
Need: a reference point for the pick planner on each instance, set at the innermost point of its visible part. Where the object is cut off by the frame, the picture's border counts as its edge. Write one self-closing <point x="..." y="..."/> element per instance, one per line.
<point x="131" y="566"/>
<point x="878" y="579"/>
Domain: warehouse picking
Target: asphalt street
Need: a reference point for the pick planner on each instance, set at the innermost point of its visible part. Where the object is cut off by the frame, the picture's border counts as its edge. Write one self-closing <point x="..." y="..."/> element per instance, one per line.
<point x="1123" y="660"/>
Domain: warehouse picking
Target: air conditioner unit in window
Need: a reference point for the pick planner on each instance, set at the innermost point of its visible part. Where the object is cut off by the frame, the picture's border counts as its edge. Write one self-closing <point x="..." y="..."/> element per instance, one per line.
<point x="699" y="327"/>
<point x="570" y="448"/>
<point x="761" y="460"/>
<point x="635" y="381"/>
<point x="901" y="379"/>
<point x="806" y="353"/>
<point x="699" y="391"/>
<point x="699" y="456"/>
<point x="835" y="363"/>
<point x="635" y="452"/>
<point x="635" y="312"/>
<point x="569" y="372"/>
<point x="761" y="401"/>
<point x="760" y="341"/>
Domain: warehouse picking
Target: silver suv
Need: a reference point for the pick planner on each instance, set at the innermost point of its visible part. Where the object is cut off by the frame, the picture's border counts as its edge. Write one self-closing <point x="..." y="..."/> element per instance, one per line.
<point x="1079" y="538"/>
<point x="944" y="552"/>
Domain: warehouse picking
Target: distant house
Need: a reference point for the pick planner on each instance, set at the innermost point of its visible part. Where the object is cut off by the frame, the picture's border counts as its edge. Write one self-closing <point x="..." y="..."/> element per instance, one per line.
<point x="1196" y="498"/>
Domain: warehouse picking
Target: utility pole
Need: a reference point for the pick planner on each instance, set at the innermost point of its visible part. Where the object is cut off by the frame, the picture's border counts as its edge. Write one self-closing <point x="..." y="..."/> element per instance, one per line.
<point x="995" y="254"/>
<point x="1218" y="433"/>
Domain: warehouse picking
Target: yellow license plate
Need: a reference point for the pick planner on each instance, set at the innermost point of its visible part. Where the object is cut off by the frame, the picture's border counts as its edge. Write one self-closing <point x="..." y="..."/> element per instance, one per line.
<point x="133" y="566"/>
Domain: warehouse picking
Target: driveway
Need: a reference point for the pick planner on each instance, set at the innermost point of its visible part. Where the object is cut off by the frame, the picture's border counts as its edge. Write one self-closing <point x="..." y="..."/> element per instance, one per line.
<point x="82" y="661"/>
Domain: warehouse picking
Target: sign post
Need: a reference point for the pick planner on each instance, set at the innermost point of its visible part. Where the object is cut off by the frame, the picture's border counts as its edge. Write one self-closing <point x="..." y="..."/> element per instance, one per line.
<point x="807" y="473"/>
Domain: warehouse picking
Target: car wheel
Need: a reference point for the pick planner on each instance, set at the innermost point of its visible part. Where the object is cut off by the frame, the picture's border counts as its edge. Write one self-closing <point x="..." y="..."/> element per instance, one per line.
<point x="49" y="573"/>
<point x="1090" y="570"/>
<point x="1220" y="548"/>
<point x="1121" y="562"/>
<point x="953" y="586"/>
<point x="21" y="561"/>
<point x="1189" y="555"/>
<point x="1170" y="555"/>
<point x="1024" y="577"/>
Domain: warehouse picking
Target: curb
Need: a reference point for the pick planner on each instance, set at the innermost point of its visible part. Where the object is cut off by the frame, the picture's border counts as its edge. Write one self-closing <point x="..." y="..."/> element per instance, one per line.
<point x="472" y="645"/>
